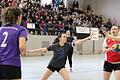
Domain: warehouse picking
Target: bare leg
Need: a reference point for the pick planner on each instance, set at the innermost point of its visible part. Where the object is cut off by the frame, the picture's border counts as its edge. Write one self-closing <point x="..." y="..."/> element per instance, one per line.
<point x="117" y="74"/>
<point x="64" y="73"/>
<point x="47" y="74"/>
<point x="106" y="75"/>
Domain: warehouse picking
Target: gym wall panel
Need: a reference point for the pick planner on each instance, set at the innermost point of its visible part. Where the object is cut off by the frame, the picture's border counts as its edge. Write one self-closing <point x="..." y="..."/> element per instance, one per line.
<point x="92" y="3"/>
<point x="39" y="41"/>
<point x="109" y="9"/>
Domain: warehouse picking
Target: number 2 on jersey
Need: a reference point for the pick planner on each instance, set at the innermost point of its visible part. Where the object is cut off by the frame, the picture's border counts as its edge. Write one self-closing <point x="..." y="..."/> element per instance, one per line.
<point x="4" y="44"/>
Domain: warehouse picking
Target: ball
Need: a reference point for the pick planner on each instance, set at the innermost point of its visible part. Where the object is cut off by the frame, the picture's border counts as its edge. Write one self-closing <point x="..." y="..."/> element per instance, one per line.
<point x="116" y="47"/>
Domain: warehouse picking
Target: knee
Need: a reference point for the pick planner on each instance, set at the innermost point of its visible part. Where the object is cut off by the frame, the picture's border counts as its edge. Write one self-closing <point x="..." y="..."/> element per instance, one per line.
<point x="67" y="79"/>
<point x="43" y="78"/>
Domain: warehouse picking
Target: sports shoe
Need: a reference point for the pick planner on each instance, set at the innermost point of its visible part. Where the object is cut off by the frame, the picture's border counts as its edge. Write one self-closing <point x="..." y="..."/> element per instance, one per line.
<point x="71" y="70"/>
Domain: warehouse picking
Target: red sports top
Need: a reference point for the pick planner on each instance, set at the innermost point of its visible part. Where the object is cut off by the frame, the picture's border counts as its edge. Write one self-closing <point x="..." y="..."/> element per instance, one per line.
<point x="110" y="55"/>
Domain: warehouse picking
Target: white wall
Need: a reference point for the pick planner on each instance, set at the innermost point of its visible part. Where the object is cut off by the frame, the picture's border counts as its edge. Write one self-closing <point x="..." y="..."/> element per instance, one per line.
<point x="109" y="8"/>
<point x="92" y="3"/>
<point x="70" y="2"/>
<point x="36" y="41"/>
<point x="83" y="3"/>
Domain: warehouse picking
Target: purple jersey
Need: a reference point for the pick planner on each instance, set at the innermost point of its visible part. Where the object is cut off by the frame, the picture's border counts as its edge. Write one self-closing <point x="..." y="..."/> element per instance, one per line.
<point x="9" y="44"/>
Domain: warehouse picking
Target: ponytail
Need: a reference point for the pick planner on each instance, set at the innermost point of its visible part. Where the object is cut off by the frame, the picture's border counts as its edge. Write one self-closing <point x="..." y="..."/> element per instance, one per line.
<point x="57" y="39"/>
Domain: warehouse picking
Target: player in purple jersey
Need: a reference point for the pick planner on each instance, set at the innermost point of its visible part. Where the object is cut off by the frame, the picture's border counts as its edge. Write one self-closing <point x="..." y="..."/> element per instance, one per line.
<point x="12" y="43"/>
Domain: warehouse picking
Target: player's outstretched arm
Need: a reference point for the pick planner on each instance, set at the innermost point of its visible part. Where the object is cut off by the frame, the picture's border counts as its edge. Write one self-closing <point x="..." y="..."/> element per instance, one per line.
<point x="44" y="50"/>
<point x="117" y="38"/>
<point x="79" y="41"/>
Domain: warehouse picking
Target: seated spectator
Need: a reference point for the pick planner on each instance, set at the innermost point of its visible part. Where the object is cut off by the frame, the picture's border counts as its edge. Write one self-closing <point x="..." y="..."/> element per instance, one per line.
<point x="43" y="27"/>
<point x="50" y="28"/>
<point x="60" y="26"/>
<point x="109" y="24"/>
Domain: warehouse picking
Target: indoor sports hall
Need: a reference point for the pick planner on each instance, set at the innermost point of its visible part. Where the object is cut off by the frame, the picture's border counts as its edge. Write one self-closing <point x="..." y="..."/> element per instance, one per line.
<point x="89" y="51"/>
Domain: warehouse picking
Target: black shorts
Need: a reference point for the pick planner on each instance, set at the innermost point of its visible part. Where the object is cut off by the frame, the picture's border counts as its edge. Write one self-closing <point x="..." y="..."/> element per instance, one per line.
<point x="10" y="72"/>
<point x="109" y="67"/>
<point x="54" y="69"/>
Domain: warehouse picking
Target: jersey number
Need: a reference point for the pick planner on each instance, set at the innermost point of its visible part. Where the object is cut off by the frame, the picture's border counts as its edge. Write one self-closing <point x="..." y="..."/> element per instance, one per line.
<point x="6" y="36"/>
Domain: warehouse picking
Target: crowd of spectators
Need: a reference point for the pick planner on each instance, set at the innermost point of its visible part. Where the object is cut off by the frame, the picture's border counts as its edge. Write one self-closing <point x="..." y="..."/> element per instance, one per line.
<point x="51" y="20"/>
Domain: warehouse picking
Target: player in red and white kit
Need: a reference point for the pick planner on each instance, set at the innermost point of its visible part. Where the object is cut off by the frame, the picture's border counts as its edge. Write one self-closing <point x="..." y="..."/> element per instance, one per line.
<point x="117" y="38"/>
<point x="112" y="59"/>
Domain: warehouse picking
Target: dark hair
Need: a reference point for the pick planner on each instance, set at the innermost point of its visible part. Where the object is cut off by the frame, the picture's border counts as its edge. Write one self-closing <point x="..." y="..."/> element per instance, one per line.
<point x="57" y="39"/>
<point x="10" y="15"/>
<point x="70" y="32"/>
<point x="118" y="27"/>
